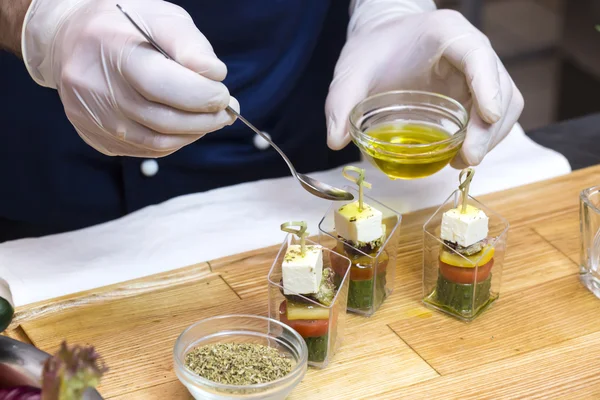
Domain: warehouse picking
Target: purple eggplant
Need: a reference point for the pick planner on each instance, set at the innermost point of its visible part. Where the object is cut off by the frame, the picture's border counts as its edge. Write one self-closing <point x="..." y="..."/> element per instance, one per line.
<point x="21" y="393"/>
<point x="65" y="376"/>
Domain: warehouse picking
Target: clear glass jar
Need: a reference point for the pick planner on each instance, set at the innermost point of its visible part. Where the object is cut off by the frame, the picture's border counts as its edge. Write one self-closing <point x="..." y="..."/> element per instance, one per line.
<point x="323" y="326"/>
<point x="589" y="220"/>
<point x="458" y="285"/>
<point x="372" y="275"/>
<point x="241" y="329"/>
<point x="409" y="134"/>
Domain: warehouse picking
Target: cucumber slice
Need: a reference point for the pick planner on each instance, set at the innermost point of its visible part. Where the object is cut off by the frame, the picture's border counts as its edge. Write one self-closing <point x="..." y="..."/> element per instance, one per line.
<point x="360" y="293"/>
<point x="459" y="297"/>
<point x="317" y="348"/>
<point x="380" y="292"/>
<point x="6" y="314"/>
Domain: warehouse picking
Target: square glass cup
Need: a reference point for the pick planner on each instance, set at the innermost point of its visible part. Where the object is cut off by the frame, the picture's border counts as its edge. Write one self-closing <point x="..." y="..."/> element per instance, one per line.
<point x="322" y="327"/>
<point x="589" y="227"/>
<point x="462" y="286"/>
<point x="372" y="275"/>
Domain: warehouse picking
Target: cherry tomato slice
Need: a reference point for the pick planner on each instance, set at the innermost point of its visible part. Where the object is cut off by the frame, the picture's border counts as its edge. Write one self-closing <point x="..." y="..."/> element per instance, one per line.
<point x="466" y="275"/>
<point x="306" y="328"/>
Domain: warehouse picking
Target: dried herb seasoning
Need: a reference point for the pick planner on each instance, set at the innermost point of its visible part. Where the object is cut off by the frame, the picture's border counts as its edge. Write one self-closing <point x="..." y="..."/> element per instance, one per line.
<point x="238" y="363"/>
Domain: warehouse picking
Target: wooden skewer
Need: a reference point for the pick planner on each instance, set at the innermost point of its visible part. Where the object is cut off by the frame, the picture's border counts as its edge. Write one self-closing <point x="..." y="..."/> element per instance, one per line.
<point x="359" y="180"/>
<point x="300" y="231"/>
<point x="464" y="186"/>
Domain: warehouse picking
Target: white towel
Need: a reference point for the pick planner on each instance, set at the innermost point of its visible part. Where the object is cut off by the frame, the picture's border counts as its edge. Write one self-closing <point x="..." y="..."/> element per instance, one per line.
<point x="205" y="226"/>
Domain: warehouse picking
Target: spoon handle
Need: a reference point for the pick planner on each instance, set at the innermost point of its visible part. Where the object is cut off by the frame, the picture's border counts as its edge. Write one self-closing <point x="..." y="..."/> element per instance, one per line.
<point x="264" y="136"/>
<point x="229" y="109"/>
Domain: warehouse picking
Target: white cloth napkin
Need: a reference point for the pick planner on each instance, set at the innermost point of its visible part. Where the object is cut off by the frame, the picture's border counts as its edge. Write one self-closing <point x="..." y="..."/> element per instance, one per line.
<point x="205" y="226"/>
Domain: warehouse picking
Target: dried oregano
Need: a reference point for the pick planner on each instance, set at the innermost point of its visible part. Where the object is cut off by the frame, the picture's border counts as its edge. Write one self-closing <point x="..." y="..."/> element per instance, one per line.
<point x="238" y="363"/>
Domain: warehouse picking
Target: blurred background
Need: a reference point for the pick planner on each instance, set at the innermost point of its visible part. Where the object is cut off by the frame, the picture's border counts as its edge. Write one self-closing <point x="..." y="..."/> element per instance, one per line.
<point x="550" y="48"/>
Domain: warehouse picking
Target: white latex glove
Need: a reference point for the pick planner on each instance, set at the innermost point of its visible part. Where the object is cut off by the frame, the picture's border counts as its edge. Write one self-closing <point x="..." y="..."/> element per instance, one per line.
<point x="407" y="44"/>
<point x="123" y="96"/>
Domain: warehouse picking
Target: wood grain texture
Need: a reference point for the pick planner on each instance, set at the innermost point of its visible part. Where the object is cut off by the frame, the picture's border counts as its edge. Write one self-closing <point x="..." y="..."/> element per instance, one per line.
<point x="247" y="273"/>
<point x="135" y="335"/>
<point x="562" y="232"/>
<point x="381" y="349"/>
<point x="117" y="291"/>
<point x="521" y="321"/>
<point x="18" y="334"/>
<point x="566" y="370"/>
<point x="163" y="391"/>
<point x="541" y="339"/>
<point x="542" y="200"/>
<point x="532" y="260"/>
<point x="377" y="346"/>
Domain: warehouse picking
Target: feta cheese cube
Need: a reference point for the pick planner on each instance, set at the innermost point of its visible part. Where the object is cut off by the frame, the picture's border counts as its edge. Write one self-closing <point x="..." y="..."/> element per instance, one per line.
<point x="302" y="274"/>
<point x="359" y="226"/>
<point x="465" y="229"/>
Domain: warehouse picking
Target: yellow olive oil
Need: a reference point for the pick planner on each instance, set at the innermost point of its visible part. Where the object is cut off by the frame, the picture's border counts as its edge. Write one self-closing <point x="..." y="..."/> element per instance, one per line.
<point x="398" y="159"/>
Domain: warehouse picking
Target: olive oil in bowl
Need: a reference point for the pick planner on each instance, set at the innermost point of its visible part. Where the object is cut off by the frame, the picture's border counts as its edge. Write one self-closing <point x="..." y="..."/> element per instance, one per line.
<point x="409" y="150"/>
<point x="409" y="134"/>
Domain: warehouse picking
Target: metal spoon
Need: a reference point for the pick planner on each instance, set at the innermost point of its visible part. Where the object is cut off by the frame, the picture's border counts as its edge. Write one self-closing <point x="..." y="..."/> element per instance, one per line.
<point x="312" y="185"/>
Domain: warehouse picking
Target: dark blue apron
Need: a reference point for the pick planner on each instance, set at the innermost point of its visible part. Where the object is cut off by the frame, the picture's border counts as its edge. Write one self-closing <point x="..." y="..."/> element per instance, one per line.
<point x="280" y="56"/>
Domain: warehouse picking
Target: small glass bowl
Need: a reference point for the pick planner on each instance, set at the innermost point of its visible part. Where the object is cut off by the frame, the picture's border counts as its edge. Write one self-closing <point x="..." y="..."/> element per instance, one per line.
<point x="409" y="158"/>
<point x="241" y="329"/>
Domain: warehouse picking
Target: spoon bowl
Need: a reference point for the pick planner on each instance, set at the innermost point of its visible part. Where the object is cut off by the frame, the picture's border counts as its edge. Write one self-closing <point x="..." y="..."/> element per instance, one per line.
<point x="323" y="190"/>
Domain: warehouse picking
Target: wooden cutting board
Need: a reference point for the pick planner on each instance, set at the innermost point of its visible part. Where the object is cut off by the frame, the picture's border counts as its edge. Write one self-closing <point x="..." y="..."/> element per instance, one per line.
<point x="541" y="339"/>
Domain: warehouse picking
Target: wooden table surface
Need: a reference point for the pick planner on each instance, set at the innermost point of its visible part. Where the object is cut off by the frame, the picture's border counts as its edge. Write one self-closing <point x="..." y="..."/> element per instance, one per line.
<point x="541" y="339"/>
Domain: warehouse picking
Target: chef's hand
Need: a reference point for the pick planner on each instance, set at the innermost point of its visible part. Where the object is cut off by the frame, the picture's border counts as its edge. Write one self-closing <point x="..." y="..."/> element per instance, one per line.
<point x="123" y="96"/>
<point x="407" y="44"/>
<point x="7" y="307"/>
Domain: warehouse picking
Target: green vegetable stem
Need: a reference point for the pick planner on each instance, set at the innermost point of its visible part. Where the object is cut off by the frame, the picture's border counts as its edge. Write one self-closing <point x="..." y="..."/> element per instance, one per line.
<point x="68" y="374"/>
<point x="65" y="376"/>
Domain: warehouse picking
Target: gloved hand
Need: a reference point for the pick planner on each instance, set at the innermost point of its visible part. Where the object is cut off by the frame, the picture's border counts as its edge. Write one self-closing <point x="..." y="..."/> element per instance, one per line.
<point x="406" y="44"/>
<point x="7" y="307"/>
<point x="123" y="96"/>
